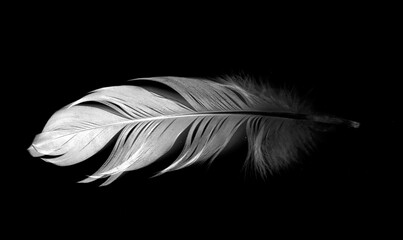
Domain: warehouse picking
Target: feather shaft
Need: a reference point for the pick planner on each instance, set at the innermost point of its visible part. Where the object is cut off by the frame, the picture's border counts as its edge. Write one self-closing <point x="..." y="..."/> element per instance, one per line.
<point x="282" y="115"/>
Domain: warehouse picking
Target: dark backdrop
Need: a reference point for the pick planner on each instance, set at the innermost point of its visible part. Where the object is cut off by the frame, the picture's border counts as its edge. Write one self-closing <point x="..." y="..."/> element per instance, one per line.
<point x="343" y="67"/>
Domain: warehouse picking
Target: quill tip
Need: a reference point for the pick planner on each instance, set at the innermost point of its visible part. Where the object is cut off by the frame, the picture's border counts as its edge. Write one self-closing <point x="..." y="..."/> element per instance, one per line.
<point x="334" y="120"/>
<point x="354" y="124"/>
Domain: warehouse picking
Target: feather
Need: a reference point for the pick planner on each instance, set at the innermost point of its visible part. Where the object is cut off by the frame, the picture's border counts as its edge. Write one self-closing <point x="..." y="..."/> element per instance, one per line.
<point x="147" y="123"/>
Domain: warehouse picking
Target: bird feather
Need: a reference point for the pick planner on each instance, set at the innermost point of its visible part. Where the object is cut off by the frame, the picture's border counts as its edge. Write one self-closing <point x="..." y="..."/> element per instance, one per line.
<point x="147" y="124"/>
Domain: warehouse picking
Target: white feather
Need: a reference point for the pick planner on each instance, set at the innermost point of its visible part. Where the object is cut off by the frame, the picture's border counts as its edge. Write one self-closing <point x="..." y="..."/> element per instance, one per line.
<point x="148" y="124"/>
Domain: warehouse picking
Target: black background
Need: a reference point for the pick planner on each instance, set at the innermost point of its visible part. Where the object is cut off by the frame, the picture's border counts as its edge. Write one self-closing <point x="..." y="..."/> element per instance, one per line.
<point x="343" y="62"/>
